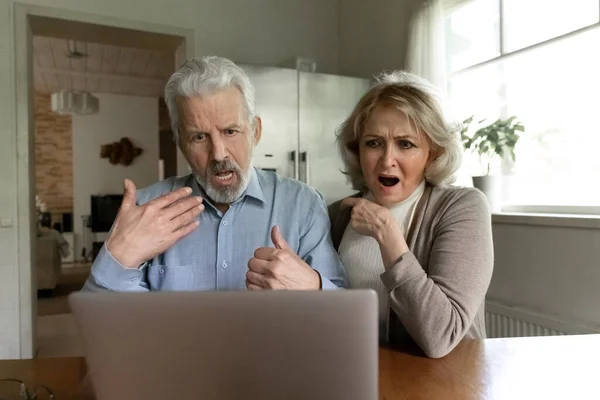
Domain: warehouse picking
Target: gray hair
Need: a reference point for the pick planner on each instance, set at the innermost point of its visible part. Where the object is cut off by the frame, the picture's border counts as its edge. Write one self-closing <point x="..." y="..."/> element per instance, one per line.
<point x="420" y="101"/>
<point x="199" y="76"/>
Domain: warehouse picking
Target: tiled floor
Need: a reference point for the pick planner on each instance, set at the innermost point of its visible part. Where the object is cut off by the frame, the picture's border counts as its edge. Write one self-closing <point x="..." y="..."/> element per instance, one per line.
<point x="57" y="336"/>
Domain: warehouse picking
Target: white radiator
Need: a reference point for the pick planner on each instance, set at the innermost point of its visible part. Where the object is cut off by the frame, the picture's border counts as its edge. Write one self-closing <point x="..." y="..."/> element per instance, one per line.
<point x="502" y="321"/>
<point x="500" y="326"/>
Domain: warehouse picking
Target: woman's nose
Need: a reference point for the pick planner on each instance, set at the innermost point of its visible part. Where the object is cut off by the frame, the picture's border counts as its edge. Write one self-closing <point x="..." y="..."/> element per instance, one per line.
<point x="388" y="158"/>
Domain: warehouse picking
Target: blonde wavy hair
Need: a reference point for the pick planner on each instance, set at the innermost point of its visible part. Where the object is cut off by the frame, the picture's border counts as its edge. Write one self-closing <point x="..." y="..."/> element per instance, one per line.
<point x="420" y="101"/>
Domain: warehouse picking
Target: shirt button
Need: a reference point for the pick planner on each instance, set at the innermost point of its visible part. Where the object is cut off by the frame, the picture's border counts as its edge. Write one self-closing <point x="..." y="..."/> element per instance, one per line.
<point x="224" y="223"/>
<point x="224" y="265"/>
<point x="161" y="271"/>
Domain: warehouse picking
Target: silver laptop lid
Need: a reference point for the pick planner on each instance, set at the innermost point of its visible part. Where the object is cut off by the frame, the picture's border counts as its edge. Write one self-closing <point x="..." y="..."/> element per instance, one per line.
<point x="230" y="345"/>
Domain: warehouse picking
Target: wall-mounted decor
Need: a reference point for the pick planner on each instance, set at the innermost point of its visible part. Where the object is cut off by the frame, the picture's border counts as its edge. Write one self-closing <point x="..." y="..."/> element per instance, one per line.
<point x="121" y="152"/>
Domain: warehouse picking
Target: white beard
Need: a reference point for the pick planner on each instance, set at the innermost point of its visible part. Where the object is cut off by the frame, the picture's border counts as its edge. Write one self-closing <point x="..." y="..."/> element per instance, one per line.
<point x="227" y="194"/>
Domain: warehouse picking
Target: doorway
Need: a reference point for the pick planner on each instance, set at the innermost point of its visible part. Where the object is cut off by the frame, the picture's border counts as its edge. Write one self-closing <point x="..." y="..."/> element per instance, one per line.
<point x="109" y="59"/>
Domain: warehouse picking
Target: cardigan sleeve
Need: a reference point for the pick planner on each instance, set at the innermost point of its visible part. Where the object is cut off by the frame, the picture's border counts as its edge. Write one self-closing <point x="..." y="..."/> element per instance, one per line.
<point x="438" y="307"/>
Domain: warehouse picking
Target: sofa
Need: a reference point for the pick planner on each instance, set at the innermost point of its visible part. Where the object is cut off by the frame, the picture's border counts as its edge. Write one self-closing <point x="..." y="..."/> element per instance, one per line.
<point x="49" y="262"/>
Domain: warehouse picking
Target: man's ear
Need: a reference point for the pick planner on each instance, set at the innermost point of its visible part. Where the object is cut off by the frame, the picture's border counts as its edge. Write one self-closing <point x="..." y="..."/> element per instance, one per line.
<point x="257" y="130"/>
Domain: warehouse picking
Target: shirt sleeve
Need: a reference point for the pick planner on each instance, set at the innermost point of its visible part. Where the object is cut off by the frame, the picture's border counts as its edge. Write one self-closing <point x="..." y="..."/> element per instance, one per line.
<point x="316" y="248"/>
<point x="108" y="274"/>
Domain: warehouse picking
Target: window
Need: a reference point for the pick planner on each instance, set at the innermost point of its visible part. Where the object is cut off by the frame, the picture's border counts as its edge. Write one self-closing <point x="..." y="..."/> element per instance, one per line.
<point x="545" y="71"/>
<point x="527" y="22"/>
<point x="472" y="33"/>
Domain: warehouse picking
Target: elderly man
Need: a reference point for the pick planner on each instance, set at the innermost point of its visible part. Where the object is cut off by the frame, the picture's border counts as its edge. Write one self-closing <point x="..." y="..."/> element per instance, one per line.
<point x="227" y="225"/>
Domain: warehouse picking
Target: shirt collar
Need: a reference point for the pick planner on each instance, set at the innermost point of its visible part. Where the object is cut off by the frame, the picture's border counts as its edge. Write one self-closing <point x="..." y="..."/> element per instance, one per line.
<point x="254" y="188"/>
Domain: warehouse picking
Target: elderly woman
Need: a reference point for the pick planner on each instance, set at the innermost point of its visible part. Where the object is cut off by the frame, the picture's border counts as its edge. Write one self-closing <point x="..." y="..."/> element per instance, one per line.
<point x="424" y="246"/>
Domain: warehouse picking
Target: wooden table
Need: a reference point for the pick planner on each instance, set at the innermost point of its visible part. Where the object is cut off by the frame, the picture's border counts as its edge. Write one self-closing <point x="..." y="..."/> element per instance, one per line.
<point x="559" y="367"/>
<point x="565" y="367"/>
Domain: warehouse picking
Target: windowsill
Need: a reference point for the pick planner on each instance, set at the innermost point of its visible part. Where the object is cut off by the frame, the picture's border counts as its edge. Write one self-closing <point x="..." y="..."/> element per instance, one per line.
<point x="539" y="219"/>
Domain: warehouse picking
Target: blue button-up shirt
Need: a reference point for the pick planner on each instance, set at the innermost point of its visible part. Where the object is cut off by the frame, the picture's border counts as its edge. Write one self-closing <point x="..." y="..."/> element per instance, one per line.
<point x="215" y="256"/>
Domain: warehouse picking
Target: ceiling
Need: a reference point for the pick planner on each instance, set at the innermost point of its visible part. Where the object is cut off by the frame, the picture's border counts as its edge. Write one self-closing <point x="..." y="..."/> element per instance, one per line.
<point x="106" y="69"/>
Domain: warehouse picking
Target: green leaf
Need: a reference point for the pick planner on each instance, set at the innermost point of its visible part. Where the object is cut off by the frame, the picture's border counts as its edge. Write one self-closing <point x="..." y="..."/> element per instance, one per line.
<point x="498" y="138"/>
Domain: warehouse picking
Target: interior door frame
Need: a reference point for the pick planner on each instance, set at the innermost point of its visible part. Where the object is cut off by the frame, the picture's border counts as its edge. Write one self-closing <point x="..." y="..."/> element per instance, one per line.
<point x="25" y="142"/>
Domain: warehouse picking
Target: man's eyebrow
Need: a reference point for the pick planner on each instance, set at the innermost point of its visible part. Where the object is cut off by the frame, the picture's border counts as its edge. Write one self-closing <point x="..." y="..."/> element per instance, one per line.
<point x="194" y="130"/>
<point x="233" y="125"/>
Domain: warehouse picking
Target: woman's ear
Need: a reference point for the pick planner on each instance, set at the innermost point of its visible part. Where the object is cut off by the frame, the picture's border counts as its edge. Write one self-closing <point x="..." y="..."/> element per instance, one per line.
<point x="434" y="154"/>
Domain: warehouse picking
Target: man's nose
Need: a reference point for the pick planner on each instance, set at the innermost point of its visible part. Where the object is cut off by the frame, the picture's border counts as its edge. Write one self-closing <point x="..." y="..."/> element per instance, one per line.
<point x="219" y="151"/>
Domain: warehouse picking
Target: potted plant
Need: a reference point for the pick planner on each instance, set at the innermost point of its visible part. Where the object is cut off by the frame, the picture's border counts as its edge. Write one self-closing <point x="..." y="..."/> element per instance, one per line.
<point x="492" y="143"/>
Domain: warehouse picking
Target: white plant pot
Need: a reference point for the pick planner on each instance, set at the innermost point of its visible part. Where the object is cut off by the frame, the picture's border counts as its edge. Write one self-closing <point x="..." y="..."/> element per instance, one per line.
<point x="491" y="186"/>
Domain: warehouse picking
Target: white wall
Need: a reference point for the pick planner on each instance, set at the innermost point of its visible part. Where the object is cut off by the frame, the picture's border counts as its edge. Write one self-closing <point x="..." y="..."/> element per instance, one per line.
<point x="119" y="116"/>
<point x="550" y="270"/>
<point x="373" y="35"/>
<point x="250" y="31"/>
<point x="9" y="273"/>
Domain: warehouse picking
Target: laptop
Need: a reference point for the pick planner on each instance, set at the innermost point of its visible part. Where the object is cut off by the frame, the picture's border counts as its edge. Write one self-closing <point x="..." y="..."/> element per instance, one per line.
<point x="230" y="345"/>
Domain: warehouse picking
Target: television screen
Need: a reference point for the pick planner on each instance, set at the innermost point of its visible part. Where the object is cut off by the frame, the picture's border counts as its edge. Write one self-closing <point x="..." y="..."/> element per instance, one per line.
<point x="104" y="210"/>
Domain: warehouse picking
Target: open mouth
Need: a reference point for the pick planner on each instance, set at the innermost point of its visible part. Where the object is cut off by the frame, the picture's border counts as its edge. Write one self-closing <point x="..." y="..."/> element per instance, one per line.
<point x="224" y="176"/>
<point x="388" y="181"/>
